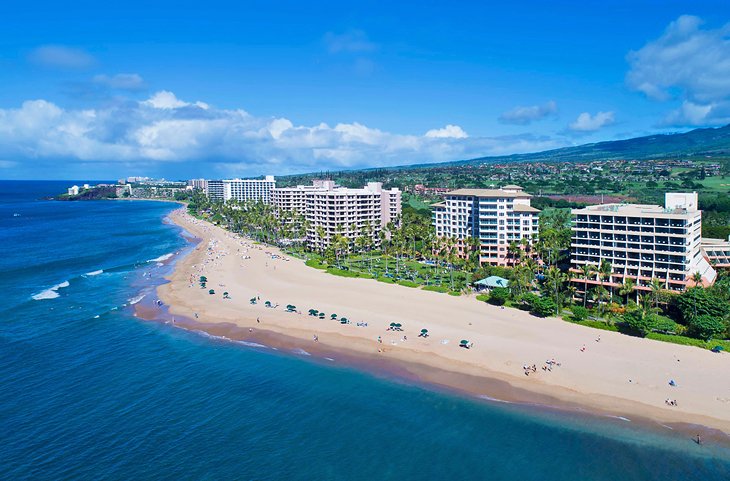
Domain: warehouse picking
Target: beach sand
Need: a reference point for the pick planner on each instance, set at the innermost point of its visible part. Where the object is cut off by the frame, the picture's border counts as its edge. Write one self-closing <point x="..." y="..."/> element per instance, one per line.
<point x="613" y="374"/>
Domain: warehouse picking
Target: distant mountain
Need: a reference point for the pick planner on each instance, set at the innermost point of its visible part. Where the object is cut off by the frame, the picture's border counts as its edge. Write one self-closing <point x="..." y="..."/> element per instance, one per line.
<point x="713" y="142"/>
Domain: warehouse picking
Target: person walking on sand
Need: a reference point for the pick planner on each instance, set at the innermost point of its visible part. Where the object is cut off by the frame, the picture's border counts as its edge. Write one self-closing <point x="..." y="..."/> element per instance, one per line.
<point x="258" y="321"/>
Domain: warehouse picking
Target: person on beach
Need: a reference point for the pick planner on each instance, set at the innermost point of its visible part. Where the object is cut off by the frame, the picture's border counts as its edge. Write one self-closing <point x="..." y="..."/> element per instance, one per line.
<point x="258" y="321"/>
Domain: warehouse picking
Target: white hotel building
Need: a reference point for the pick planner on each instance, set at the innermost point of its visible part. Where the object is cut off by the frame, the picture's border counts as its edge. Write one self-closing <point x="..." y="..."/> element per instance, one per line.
<point x="642" y="242"/>
<point x="496" y="217"/>
<point x="340" y="210"/>
<point x="240" y="190"/>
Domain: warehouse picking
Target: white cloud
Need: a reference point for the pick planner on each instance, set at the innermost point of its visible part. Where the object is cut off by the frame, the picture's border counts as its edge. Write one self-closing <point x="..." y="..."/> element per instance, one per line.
<point x="352" y="41"/>
<point x="164" y="129"/>
<point x="450" y="131"/>
<point x="122" y="81"/>
<point x="590" y="123"/>
<point x="525" y="115"/>
<point x="690" y="63"/>
<point x="59" y="56"/>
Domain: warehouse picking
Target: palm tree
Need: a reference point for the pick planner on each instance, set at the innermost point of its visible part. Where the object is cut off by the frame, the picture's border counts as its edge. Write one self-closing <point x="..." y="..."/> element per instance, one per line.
<point x="587" y="270"/>
<point x="697" y="278"/>
<point x="627" y="288"/>
<point x="605" y="271"/>
<point x="656" y="290"/>
<point x="514" y="251"/>
<point x="555" y="280"/>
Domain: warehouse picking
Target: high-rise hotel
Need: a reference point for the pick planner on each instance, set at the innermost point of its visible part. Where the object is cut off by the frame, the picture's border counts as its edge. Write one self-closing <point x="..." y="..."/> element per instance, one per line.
<point x="495" y="217"/>
<point x="331" y="210"/>
<point x="642" y="242"/>
<point x="241" y="190"/>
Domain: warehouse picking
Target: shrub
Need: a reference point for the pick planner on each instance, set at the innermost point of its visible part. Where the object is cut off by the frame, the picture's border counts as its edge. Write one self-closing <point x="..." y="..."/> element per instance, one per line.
<point x="408" y="283"/>
<point x="706" y="327"/>
<point x="498" y="296"/>
<point x="483" y="297"/>
<point x="542" y="306"/>
<point x="580" y="313"/>
<point x="639" y="322"/>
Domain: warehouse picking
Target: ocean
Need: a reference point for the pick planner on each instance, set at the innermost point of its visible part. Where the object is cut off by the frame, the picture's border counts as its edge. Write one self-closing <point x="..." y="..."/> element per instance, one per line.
<point x="89" y="391"/>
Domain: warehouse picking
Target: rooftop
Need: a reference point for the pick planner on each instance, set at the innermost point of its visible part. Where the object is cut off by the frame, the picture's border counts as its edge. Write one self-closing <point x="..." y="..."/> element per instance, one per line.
<point x="524" y="208"/>
<point x="489" y="193"/>
<point x="633" y="209"/>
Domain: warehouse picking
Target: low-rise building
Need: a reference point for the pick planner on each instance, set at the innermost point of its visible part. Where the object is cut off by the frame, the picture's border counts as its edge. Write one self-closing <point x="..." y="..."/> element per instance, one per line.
<point x="717" y="252"/>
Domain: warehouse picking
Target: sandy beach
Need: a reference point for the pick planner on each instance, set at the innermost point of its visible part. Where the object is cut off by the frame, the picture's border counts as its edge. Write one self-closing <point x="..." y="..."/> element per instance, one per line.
<point x="600" y="371"/>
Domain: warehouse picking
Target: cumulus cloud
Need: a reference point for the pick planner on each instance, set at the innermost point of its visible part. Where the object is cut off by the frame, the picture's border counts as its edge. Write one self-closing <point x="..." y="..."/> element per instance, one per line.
<point x="525" y="115"/>
<point x="352" y="41"/>
<point x="164" y="129"/>
<point x="121" y="81"/>
<point x="590" y="123"/>
<point x="59" y="56"/>
<point x="448" y="132"/>
<point x="690" y="63"/>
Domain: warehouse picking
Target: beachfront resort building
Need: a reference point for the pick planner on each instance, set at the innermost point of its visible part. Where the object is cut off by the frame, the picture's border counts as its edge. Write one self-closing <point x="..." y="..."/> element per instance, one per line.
<point x="641" y="242"/>
<point x="331" y="210"/>
<point x="200" y="184"/>
<point x="494" y="217"/>
<point x="717" y="252"/>
<point x="241" y="190"/>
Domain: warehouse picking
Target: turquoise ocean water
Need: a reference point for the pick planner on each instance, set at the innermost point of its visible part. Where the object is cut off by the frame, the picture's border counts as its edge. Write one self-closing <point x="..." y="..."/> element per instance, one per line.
<point x="88" y="391"/>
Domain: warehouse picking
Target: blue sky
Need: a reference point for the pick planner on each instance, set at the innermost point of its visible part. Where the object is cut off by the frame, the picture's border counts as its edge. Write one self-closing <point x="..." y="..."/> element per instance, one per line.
<point x="218" y="89"/>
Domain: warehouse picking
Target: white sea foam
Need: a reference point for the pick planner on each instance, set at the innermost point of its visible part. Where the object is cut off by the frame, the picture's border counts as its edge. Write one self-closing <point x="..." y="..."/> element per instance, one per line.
<point x="493" y="399"/>
<point x="50" y="293"/>
<point x="135" y="300"/>
<point x="162" y="257"/>
<point x="301" y="352"/>
<point x="251" y="344"/>
<point x="94" y="273"/>
<point x="619" y="417"/>
<point x="96" y="316"/>
<point x="330" y="359"/>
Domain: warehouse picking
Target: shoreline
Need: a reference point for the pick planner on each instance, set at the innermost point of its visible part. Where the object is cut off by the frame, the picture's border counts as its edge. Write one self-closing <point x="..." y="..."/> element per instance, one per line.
<point x="442" y="366"/>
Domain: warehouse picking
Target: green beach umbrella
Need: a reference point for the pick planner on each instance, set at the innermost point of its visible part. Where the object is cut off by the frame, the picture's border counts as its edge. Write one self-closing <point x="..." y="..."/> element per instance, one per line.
<point x="392" y="324"/>
<point x="424" y="331"/>
<point x="211" y="292"/>
<point x="344" y="320"/>
<point x="333" y="316"/>
<point x="313" y="312"/>
<point x="398" y="325"/>
<point x="321" y="315"/>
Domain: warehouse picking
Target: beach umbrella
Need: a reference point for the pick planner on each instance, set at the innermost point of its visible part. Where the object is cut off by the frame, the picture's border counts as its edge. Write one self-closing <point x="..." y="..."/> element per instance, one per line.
<point x="464" y="343"/>
<point x="211" y="292"/>
<point x="268" y="303"/>
<point x="398" y="325"/>
<point x="321" y="315"/>
<point x="203" y="279"/>
<point x="313" y="312"/>
<point x="717" y="349"/>
<point x="344" y="320"/>
<point x="225" y="294"/>
<point x="333" y="316"/>
<point x="392" y="324"/>
<point x="424" y="332"/>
